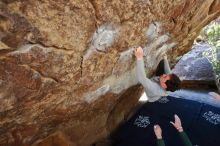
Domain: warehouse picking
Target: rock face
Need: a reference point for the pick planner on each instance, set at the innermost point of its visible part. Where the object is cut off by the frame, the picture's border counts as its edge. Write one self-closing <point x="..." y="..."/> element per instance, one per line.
<point x="67" y="69"/>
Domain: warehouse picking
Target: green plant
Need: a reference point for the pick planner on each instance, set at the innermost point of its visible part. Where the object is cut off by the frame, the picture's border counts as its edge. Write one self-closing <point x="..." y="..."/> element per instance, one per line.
<point x="211" y="34"/>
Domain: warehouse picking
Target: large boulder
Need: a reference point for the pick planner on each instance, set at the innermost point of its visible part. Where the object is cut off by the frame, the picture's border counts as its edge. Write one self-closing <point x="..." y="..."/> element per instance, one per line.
<point x="67" y="67"/>
<point x="194" y="65"/>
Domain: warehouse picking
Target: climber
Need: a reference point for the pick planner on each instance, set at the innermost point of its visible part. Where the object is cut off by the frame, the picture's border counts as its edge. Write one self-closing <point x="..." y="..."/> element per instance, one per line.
<point x="177" y="124"/>
<point x="158" y="86"/>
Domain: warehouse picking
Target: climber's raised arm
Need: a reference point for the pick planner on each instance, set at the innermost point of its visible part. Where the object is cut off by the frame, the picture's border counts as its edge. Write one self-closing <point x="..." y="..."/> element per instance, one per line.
<point x="152" y="89"/>
<point x="156" y="87"/>
<point x="141" y="75"/>
<point x="167" y="69"/>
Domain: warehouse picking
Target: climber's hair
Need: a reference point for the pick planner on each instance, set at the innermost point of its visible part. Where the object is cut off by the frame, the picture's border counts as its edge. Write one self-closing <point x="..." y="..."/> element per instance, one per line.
<point x="174" y="83"/>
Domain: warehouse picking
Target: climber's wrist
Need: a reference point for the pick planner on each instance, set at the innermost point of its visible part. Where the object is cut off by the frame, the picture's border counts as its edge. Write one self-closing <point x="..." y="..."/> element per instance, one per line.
<point x="139" y="57"/>
<point x="180" y="129"/>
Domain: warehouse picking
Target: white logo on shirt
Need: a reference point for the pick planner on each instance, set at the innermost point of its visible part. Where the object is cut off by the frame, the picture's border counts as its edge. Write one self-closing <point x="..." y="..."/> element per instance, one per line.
<point x="163" y="100"/>
<point x="212" y="117"/>
<point x="142" y="121"/>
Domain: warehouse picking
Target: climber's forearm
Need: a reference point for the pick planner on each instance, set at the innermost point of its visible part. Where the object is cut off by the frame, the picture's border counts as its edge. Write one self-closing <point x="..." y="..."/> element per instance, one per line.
<point x="141" y="75"/>
<point x="185" y="139"/>
<point x="166" y="66"/>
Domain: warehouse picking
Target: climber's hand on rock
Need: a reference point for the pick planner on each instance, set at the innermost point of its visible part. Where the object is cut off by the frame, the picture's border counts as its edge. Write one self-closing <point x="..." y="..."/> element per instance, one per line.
<point x="139" y="53"/>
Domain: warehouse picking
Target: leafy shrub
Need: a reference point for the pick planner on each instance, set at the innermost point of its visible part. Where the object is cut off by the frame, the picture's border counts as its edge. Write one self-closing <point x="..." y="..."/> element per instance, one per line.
<point x="211" y="34"/>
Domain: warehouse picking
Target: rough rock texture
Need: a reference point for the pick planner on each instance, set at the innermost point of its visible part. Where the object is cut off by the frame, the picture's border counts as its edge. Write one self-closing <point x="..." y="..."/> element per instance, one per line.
<point x="67" y="66"/>
<point x="194" y="65"/>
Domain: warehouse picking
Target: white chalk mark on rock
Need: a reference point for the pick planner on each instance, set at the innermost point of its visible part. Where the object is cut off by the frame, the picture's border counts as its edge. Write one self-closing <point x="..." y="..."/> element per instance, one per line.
<point x="92" y="96"/>
<point x="123" y="82"/>
<point x="155" y="44"/>
<point x="153" y="30"/>
<point x="102" y="39"/>
<point x="116" y="83"/>
<point x="127" y="55"/>
<point x="156" y="47"/>
<point x="124" y="62"/>
<point x="165" y="48"/>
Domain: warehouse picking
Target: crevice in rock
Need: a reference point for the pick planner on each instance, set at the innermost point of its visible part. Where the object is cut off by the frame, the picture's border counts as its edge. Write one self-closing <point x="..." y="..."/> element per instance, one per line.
<point x="81" y="66"/>
<point x="50" y="46"/>
<point x="101" y="51"/>
<point x="174" y="21"/>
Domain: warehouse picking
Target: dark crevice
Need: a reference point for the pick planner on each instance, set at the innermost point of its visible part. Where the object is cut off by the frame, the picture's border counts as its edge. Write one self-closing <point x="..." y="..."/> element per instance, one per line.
<point x="81" y="66"/>
<point x="100" y="51"/>
<point x="154" y="22"/>
<point x="174" y="21"/>
<point x="160" y="68"/>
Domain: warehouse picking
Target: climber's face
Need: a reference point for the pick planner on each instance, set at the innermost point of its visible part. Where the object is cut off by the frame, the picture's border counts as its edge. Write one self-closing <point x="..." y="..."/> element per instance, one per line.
<point x="163" y="79"/>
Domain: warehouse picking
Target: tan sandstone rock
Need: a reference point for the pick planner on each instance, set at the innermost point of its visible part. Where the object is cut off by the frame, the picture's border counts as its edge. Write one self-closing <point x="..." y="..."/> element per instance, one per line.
<point x="67" y="67"/>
